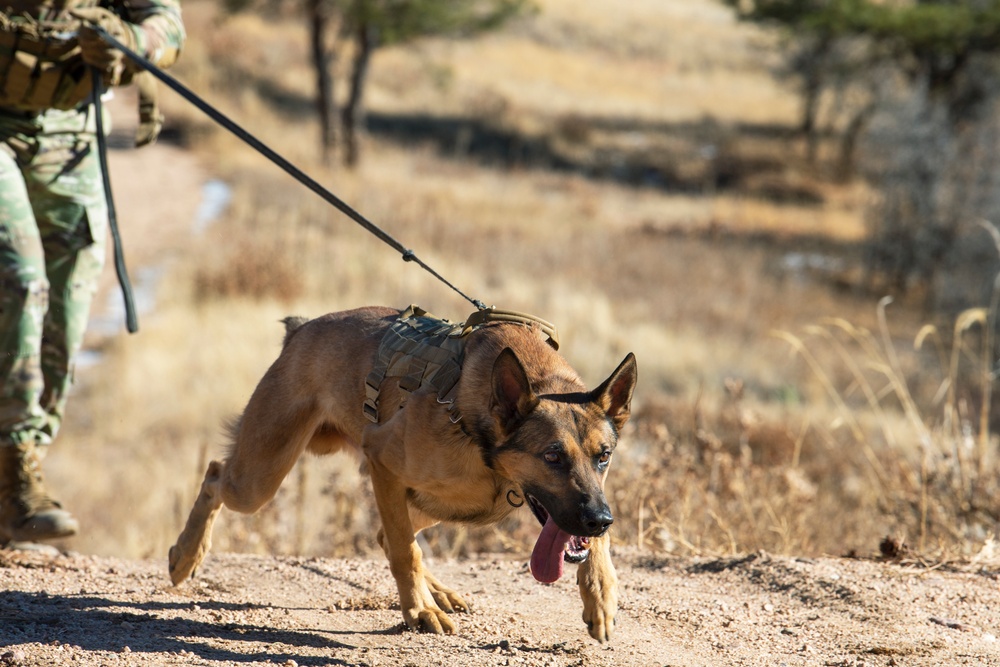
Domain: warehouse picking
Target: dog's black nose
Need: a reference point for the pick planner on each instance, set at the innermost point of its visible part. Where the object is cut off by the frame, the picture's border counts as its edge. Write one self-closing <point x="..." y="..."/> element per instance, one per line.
<point x="599" y="522"/>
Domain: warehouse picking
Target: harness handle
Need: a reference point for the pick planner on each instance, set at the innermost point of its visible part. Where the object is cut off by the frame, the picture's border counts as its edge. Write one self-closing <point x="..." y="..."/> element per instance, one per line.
<point x="492" y="314"/>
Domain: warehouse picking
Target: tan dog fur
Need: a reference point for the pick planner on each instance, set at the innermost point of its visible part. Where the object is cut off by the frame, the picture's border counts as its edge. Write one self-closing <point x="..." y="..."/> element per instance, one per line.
<point x="528" y="426"/>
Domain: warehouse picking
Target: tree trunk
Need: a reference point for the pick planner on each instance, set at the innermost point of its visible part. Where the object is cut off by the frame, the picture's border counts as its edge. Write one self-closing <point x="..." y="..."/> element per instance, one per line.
<point x="322" y="58"/>
<point x="811" y="90"/>
<point x="813" y="82"/>
<point x="352" y="111"/>
<point x="849" y="142"/>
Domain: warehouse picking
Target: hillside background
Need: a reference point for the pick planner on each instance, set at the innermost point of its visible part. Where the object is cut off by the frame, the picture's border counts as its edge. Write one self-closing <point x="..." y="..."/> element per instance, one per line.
<point x="633" y="176"/>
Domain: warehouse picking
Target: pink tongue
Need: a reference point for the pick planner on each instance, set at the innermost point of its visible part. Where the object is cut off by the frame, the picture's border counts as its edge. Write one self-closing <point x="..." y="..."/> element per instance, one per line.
<point x="547" y="556"/>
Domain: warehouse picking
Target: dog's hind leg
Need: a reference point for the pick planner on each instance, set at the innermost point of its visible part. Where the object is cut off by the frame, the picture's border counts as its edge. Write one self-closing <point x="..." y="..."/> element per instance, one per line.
<point x="196" y="539"/>
<point x="265" y="449"/>
<point x="268" y="439"/>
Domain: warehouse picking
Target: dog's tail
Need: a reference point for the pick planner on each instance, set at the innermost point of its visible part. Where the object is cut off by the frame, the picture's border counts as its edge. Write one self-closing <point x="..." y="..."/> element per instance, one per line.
<point x="292" y="324"/>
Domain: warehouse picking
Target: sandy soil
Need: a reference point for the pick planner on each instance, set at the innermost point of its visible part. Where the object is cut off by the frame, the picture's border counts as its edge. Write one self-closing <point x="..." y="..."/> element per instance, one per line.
<point x="753" y="610"/>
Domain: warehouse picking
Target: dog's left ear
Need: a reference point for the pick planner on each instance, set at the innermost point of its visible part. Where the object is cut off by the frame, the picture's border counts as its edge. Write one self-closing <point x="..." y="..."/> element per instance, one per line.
<point x="513" y="397"/>
<point x="614" y="396"/>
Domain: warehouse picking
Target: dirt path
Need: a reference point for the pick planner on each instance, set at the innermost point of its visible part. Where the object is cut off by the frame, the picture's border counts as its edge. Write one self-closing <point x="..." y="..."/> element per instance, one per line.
<point x="755" y="610"/>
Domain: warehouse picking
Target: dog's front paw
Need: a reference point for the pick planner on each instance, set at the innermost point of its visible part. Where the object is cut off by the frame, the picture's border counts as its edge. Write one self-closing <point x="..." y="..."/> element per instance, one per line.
<point x="446" y="598"/>
<point x="600" y="620"/>
<point x="430" y="620"/>
<point x="598" y="584"/>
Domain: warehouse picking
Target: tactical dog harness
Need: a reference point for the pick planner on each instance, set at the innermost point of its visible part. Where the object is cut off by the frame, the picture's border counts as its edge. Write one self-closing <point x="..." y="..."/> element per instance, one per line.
<point x="426" y="351"/>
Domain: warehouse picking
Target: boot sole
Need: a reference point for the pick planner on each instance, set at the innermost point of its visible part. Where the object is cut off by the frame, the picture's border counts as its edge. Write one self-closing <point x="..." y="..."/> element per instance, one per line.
<point x="38" y="529"/>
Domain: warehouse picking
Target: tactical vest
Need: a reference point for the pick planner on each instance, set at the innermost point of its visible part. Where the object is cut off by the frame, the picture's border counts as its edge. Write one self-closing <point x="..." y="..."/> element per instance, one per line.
<point x="40" y="62"/>
<point x="425" y="351"/>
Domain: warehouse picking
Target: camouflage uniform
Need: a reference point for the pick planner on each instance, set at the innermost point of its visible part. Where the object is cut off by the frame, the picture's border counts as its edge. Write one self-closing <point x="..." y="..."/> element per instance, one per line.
<point x="53" y="228"/>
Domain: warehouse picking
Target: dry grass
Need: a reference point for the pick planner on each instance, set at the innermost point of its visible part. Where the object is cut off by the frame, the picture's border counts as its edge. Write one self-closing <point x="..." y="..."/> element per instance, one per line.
<point x="736" y="443"/>
<point x="876" y="461"/>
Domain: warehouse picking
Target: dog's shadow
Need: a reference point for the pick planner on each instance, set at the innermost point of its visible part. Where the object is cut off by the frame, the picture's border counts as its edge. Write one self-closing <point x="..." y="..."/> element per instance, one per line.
<point x="95" y="623"/>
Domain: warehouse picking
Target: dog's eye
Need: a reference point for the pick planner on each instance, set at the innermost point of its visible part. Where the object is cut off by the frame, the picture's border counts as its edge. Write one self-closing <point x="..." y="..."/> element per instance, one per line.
<point x="552" y="457"/>
<point x="604" y="458"/>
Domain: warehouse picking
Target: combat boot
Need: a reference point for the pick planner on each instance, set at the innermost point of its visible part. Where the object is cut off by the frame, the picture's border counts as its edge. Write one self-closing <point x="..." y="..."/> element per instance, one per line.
<point x="27" y="513"/>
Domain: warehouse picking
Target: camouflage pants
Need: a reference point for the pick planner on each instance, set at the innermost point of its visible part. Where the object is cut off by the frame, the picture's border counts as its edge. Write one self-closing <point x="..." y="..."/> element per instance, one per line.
<point x="53" y="222"/>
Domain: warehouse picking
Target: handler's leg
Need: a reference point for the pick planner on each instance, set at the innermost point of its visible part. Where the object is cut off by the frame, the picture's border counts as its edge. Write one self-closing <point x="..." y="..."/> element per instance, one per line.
<point x="27" y="513"/>
<point x="67" y="196"/>
<point x="53" y="166"/>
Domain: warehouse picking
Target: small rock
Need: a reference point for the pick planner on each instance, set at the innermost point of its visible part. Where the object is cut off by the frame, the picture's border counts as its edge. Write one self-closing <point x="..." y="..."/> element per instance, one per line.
<point x="15" y="657"/>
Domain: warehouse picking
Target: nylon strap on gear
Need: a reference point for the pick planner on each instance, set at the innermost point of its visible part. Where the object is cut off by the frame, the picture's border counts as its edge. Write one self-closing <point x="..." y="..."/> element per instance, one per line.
<point x="426" y="351"/>
<point x="131" y="320"/>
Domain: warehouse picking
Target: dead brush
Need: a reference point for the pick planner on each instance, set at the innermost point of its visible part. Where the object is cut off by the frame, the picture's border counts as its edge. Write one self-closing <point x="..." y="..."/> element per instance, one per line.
<point x="905" y="449"/>
<point x="726" y="480"/>
<point x="248" y="271"/>
<point x="930" y="463"/>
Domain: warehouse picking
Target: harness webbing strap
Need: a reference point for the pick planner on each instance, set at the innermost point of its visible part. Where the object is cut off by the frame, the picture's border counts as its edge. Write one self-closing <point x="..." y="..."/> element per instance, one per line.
<point x="425" y="351"/>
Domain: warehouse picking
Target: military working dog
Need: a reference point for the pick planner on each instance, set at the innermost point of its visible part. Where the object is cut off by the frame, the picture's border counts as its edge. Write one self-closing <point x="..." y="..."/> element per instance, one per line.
<point x="517" y="425"/>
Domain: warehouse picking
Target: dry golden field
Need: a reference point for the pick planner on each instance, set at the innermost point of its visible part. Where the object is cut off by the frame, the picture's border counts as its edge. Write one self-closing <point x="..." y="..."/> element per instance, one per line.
<point x="779" y="407"/>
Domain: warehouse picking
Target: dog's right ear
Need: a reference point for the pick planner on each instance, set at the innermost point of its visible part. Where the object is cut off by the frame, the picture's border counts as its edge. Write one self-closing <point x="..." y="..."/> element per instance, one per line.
<point x="615" y="394"/>
<point x="513" y="397"/>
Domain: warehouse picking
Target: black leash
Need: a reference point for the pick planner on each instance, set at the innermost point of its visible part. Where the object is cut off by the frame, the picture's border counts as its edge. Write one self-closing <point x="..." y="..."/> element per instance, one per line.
<point x="131" y="321"/>
<point x="295" y="172"/>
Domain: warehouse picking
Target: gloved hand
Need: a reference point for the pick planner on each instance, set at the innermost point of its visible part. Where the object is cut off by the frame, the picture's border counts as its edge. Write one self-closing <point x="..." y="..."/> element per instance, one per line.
<point x="98" y="52"/>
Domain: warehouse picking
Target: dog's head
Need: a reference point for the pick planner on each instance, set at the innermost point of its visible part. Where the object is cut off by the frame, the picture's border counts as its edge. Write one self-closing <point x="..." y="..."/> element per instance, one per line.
<point x="557" y="447"/>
